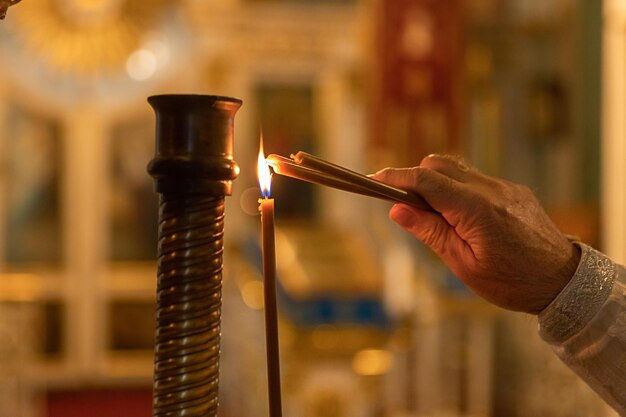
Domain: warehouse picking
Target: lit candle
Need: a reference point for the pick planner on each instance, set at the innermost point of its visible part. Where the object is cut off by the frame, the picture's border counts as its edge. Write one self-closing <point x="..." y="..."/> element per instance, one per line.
<point x="266" y="207"/>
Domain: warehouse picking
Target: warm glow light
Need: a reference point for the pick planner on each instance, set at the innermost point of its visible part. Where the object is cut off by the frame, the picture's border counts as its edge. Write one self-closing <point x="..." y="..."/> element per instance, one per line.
<point x="370" y="362"/>
<point x="141" y="65"/>
<point x="263" y="172"/>
<point x="252" y="294"/>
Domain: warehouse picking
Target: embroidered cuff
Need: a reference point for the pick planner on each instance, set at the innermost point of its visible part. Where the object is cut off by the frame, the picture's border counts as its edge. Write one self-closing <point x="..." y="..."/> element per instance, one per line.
<point x="581" y="299"/>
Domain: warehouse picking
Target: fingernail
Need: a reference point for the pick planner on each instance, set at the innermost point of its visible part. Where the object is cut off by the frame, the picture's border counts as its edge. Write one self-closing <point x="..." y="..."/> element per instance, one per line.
<point x="462" y="166"/>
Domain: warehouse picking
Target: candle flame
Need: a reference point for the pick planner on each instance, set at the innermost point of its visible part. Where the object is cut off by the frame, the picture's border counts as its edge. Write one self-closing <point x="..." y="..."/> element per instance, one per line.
<point x="263" y="172"/>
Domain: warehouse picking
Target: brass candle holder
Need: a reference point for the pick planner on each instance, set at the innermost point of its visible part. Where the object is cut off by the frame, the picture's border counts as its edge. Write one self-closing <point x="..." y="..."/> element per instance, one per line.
<point x="193" y="171"/>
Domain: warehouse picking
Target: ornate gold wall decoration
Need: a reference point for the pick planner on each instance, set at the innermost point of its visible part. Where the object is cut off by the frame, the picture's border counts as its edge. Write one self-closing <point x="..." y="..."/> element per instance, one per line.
<point x="86" y="36"/>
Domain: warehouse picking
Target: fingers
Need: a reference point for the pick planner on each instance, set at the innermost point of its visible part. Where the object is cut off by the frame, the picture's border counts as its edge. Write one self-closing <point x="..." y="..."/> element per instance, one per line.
<point x="428" y="227"/>
<point x="451" y="166"/>
<point x="440" y="191"/>
<point x="398" y="177"/>
<point x="434" y="231"/>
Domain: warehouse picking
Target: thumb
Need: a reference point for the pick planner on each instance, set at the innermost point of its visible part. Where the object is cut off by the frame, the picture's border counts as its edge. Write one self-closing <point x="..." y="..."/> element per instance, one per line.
<point x="434" y="231"/>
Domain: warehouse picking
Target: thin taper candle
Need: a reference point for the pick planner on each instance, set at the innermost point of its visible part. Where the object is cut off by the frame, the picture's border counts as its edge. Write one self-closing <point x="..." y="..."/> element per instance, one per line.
<point x="306" y="167"/>
<point x="266" y="207"/>
<point x="271" y="311"/>
<point x="288" y="167"/>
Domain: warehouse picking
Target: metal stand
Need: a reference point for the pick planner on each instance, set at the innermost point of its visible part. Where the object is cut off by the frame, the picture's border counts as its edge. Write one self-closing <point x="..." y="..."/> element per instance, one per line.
<point x="193" y="171"/>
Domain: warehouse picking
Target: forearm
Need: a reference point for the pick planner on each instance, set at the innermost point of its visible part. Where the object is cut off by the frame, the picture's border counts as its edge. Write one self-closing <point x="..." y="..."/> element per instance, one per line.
<point x="586" y="326"/>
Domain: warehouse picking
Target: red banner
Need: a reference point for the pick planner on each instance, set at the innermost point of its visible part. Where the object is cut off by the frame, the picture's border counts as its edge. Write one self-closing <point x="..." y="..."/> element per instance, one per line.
<point x="416" y="109"/>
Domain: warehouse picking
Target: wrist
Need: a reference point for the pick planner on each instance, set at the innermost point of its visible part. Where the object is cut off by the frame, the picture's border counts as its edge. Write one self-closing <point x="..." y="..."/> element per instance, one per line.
<point x="556" y="280"/>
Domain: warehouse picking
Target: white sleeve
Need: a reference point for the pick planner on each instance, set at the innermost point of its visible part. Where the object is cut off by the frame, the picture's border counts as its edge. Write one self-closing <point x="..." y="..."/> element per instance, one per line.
<point x="586" y="326"/>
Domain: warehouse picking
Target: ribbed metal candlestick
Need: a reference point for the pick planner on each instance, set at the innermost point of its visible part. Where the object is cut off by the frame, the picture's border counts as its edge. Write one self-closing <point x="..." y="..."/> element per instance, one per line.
<point x="193" y="170"/>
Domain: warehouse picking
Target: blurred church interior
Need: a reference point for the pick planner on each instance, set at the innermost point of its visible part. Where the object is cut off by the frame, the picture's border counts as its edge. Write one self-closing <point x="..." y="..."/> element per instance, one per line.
<point x="372" y="324"/>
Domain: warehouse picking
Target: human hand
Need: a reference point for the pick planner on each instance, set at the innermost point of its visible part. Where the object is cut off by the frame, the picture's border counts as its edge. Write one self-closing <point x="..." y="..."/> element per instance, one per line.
<point x="493" y="234"/>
